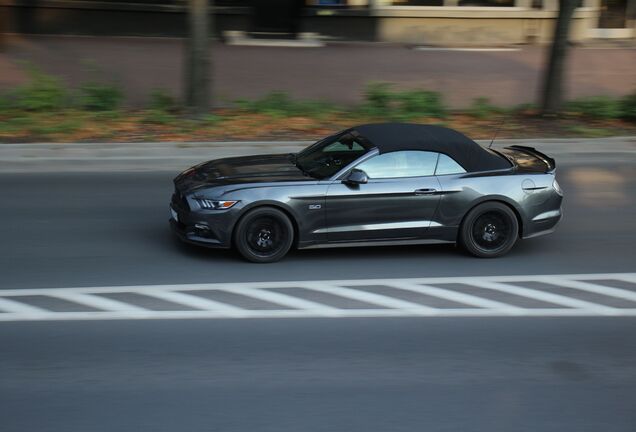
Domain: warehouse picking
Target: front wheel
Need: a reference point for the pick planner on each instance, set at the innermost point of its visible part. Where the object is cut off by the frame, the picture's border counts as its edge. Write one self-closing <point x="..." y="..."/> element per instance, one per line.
<point x="489" y="230"/>
<point x="264" y="235"/>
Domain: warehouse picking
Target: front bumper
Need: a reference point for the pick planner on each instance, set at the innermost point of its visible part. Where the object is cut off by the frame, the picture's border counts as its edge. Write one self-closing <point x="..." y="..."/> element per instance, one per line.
<point x="207" y="228"/>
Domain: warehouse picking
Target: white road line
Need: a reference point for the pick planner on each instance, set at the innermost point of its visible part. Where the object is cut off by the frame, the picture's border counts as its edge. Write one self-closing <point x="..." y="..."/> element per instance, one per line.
<point x="299" y="313"/>
<point x="197" y="302"/>
<point x="382" y="305"/>
<point x="141" y="289"/>
<point x="287" y="300"/>
<point x="546" y="297"/>
<point x="459" y="297"/>
<point x="592" y="287"/>
<point x="624" y="277"/>
<point x="367" y="297"/>
<point x="12" y="306"/>
<point x="102" y="303"/>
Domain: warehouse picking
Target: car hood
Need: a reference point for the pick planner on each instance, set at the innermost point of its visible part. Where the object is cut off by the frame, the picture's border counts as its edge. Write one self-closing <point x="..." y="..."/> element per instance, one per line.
<point x="245" y="169"/>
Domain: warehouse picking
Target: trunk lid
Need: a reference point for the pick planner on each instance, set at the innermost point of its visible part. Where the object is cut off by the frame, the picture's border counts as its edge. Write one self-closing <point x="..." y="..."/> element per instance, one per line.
<point x="529" y="159"/>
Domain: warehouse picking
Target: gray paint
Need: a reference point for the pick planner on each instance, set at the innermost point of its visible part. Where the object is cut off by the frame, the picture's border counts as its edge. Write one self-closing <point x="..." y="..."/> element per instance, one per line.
<point x="386" y="211"/>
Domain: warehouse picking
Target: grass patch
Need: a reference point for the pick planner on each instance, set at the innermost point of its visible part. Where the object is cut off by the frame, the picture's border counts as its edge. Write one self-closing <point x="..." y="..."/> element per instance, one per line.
<point x="589" y="132"/>
<point x="600" y="107"/>
<point x="279" y="104"/>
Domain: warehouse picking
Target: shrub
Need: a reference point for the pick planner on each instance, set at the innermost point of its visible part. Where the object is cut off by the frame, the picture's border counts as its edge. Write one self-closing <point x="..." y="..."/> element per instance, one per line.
<point x="602" y="107"/>
<point x="420" y="103"/>
<point x="100" y="97"/>
<point x="378" y="97"/>
<point x="160" y="100"/>
<point x="482" y="108"/>
<point x="5" y="102"/>
<point x="381" y="101"/>
<point x="628" y="107"/>
<point x="42" y="93"/>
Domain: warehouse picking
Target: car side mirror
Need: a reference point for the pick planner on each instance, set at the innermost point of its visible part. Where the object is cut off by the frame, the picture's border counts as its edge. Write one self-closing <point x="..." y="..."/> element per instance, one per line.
<point x="356" y="177"/>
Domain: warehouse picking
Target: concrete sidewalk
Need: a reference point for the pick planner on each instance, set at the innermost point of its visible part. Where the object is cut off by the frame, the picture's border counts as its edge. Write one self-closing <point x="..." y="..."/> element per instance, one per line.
<point x="174" y="156"/>
<point x="337" y="72"/>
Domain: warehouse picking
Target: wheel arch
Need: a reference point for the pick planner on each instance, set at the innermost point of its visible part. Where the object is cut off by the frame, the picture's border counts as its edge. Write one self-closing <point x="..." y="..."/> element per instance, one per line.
<point x="500" y="200"/>
<point x="273" y="204"/>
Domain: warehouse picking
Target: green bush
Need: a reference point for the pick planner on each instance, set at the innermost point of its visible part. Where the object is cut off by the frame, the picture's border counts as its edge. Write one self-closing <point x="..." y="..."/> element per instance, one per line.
<point x="420" y="103"/>
<point x="481" y="108"/>
<point x="601" y="107"/>
<point x="100" y="97"/>
<point x="5" y="103"/>
<point x="381" y="101"/>
<point x="378" y="98"/>
<point x="628" y="107"/>
<point x="160" y="100"/>
<point x="42" y="93"/>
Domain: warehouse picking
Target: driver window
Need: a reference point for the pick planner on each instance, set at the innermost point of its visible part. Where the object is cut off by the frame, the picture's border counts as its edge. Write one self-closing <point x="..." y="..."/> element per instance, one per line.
<point x="400" y="164"/>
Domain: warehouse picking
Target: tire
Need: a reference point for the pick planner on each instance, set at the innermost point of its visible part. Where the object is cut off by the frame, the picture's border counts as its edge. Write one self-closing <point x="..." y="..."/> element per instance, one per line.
<point x="264" y="235"/>
<point x="489" y="230"/>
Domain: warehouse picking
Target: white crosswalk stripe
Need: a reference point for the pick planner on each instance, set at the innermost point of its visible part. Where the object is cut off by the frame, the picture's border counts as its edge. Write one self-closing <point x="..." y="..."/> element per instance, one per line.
<point x="546" y="297"/>
<point x="16" y="307"/>
<point x="459" y="297"/>
<point x="566" y="295"/>
<point x="595" y="288"/>
<point x="366" y="297"/>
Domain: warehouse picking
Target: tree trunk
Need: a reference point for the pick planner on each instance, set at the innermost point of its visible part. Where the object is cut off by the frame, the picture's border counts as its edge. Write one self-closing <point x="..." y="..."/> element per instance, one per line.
<point x="198" y="63"/>
<point x="552" y="96"/>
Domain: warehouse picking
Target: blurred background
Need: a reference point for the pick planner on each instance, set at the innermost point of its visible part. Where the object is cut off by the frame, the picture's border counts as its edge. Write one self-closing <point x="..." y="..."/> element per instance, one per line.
<point x="133" y="70"/>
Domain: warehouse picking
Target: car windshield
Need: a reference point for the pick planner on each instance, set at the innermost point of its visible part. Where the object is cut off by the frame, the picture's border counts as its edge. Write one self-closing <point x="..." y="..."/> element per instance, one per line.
<point x="329" y="155"/>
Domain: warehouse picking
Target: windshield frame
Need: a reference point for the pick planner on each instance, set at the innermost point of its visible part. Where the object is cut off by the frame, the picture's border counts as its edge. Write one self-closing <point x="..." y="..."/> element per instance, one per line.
<point x="325" y="142"/>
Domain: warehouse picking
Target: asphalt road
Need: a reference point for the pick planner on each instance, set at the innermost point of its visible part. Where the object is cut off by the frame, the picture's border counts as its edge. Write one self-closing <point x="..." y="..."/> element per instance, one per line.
<point x="354" y="374"/>
<point x="472" y="374"/>
<point x="112" y="229"/>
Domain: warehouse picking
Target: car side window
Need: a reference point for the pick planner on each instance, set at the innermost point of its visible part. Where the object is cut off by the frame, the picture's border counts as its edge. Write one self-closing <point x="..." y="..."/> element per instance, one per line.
<point x="447" y="165"/>
<point x="400" y="164"/>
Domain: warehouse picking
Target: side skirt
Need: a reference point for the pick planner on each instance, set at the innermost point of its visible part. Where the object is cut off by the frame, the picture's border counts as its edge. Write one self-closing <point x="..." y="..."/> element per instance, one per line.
<point x="375" y="243"/>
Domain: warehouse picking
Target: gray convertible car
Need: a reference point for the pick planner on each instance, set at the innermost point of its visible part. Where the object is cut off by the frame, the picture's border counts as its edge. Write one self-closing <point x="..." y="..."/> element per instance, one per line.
<point x="375" y="184"/>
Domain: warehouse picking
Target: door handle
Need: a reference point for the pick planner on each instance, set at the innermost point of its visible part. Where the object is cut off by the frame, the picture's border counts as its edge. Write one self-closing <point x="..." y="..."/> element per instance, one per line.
<point x="425" y="191"/>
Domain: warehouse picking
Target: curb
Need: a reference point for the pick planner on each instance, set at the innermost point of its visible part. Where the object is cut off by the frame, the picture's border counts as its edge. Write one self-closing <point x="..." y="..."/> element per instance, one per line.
<point x="170" y="156"/>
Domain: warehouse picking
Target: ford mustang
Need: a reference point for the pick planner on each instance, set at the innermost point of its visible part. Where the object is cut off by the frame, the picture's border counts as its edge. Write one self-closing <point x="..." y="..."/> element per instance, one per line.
<point x="376" y="184"/>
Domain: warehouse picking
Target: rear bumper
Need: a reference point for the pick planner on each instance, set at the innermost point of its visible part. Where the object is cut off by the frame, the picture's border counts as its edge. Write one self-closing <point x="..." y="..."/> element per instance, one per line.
<point x="542" y="224"/>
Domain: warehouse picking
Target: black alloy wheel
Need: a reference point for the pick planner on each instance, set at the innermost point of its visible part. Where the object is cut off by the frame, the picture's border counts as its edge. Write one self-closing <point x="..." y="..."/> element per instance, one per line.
<point x="489" y="230"/>
<point x="264" y="235"/>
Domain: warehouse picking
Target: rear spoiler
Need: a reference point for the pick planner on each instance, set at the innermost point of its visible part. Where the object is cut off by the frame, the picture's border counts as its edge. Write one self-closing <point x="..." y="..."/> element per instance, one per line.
<point x="550" y="162"/>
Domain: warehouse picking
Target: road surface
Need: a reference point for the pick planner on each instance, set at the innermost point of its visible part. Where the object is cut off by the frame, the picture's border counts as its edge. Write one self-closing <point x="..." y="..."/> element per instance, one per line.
<point x="502" y="370"/>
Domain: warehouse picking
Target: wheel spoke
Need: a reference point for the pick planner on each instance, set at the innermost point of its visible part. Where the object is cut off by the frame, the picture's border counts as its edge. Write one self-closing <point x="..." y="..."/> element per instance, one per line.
<point x="265" y="236"/>
<point x="491" y="230"/>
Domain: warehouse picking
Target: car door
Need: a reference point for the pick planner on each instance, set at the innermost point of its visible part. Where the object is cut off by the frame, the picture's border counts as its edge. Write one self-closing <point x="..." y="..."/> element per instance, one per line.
<point x="398" y="202"/>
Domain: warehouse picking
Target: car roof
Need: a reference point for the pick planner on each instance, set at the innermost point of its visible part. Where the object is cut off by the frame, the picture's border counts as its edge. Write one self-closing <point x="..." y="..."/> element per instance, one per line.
<point x="391" y="137"/>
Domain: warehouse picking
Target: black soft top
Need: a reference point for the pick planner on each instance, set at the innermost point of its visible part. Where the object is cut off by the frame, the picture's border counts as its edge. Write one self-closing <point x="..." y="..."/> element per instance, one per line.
<point x="390" y="137"/>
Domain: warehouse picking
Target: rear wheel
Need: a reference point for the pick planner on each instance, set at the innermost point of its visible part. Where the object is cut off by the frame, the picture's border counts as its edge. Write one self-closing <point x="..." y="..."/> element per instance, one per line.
<point x="264" y="235"/>
<point x="489" y="230"/>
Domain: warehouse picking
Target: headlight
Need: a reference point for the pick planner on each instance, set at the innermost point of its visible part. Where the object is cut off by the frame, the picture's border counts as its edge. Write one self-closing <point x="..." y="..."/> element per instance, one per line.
<point x="215" y="205"/>
<point x="557" y="188"/>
